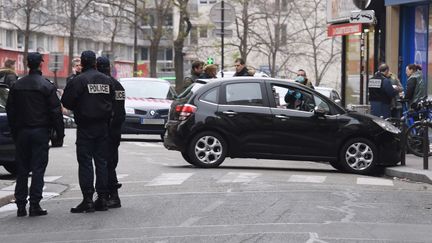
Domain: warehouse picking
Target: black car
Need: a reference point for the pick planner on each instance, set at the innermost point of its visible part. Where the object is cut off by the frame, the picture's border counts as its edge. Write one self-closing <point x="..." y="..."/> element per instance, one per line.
<point x="275" y="119"/>
<point x="147" y="103"/>
<point x="7" y="146"/>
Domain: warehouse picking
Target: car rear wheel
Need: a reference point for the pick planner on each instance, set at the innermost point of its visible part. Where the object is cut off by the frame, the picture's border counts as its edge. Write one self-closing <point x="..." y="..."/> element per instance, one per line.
<point x="11" y="168"/>
<point x="207" y="150"/>
<point x="359" y="156"/>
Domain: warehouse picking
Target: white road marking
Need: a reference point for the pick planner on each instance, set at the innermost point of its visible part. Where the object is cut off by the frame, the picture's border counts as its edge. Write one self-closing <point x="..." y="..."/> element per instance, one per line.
<point x="238" y="177"/>
<point x="308" y="179"/>
<point x="145" y="144"/>
<point x="121" y="176"/>
<point x="51" y="178"/>
<point x="169" y="179"/>
<point x="314" y="238"/>
<point x="190" y="221"/>
<point x="46" y="179"/>
<point x="213" y="206"/>
<point x="374" y="181"/>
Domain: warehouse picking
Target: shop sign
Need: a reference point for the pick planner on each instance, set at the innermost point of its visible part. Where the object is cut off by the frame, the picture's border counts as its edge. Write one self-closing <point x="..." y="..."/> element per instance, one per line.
<point x="343" y="29"/>
<point x="339" y="10"/>
<point x="364" y="17"/>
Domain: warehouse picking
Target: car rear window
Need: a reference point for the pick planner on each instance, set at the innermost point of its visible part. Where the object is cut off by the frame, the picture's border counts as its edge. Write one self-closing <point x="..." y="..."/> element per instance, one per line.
<point x="211" y="95"/>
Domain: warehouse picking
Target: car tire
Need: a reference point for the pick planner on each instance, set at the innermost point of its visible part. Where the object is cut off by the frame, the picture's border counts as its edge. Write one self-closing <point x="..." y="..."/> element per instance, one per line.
<point x="187" y="158"/>
<point x="11" y="168"/>
<point x="359" y="156"/>
<point x="207" y="150"/>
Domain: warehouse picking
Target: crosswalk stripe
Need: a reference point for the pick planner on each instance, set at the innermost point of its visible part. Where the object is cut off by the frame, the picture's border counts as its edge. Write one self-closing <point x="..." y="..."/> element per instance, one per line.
<point x="169" y="179"/>
<point x="51" y="178"/>
<point x="145" y="144"/>
<point x="374" y="181"/>
<point x="238" y="177"/>
<point x="307" y="178"/>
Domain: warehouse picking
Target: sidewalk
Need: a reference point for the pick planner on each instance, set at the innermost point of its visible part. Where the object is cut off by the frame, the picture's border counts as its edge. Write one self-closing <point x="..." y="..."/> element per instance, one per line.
<point x="6" y="191"/>
<point x="413" y="170"/>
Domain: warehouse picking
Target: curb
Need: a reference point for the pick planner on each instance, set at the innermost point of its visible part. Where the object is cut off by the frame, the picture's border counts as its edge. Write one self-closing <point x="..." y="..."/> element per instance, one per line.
<point x="409" y="173"/>
<point x="6" y="198"/>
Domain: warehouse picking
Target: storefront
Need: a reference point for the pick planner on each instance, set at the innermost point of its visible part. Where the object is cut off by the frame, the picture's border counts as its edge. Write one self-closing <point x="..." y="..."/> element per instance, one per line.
<point x="415" y="36"/>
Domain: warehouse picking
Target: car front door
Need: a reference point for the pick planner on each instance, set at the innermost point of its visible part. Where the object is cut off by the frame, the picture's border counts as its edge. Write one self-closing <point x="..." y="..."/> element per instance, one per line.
<point x="297" y="130"/>
<point x="245" y="115"/>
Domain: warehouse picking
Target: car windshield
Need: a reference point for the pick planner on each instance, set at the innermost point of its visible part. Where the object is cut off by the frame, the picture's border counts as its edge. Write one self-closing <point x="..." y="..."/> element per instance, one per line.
<point x="146" y="89"/>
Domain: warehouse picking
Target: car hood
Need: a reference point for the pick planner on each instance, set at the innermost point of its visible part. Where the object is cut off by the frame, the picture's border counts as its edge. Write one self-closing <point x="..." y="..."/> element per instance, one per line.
<point x="141" y="103"/>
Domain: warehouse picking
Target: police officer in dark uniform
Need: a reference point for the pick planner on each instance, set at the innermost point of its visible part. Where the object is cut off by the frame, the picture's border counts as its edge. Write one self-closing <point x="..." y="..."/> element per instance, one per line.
<point x="119" y="115"/>
<point x="91" y="96"/>
<point x="381" y="92"/>
<point x="33" y="108"/>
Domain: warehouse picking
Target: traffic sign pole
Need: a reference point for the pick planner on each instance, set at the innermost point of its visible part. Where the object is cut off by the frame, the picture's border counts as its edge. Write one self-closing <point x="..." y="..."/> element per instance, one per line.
<point x="222" y="36"/>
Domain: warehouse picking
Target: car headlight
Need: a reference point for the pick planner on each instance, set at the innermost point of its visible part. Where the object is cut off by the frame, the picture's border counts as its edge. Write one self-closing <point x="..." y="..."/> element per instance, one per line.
<point x="130" y="110"/>
<point x="387" y="126"/>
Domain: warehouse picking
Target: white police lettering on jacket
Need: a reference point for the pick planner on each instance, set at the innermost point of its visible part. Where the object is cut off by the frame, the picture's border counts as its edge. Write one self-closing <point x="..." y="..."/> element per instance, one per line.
<point x="120" y="95"/>
<point x="98" y="88"/>
<point x="375" y="83"/>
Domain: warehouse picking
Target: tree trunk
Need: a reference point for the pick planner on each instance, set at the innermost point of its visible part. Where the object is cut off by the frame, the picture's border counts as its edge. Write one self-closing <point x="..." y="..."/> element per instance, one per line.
<point x="244" y="42"/>
<point x="178" y="65"/>
<point x="26" y="41"/>
<point x="71" y="35"/>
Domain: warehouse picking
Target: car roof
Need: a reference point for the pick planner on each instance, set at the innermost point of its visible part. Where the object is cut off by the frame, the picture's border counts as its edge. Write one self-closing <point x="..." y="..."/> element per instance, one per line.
<point x="144" y="79"/>
<point x="218" y="81"/>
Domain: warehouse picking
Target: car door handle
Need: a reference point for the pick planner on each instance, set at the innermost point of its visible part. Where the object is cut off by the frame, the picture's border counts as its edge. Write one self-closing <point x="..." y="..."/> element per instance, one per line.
<point x="282" y="116"/>
<point x="230" y="113"/>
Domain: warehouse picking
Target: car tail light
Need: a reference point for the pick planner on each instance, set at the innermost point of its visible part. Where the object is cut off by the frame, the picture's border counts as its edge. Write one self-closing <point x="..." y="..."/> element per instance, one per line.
<point x="185" y="111"/>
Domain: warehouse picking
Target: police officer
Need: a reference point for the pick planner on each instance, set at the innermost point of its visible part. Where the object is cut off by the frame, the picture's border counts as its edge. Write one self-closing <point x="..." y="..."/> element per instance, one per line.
<point x="91" y="97"/>
<point x="381" y="92"/>
<point x="33" y="108"/>
<point x="119" y="115"/>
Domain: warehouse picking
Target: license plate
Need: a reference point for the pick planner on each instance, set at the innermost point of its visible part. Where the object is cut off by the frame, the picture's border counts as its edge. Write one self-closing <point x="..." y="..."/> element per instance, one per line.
<point x="152" y="121"/>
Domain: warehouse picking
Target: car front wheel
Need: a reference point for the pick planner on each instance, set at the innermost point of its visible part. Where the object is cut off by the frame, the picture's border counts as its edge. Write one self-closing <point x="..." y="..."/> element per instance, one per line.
<point x="207" y="150"/>
<point x="359" y="156"/>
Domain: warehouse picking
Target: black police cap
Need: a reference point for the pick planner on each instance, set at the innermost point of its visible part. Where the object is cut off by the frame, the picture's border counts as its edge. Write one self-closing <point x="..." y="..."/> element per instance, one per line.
<point x="88" y="57"/>
<point x="102" y="62"/>
<point x="34" y="58"/>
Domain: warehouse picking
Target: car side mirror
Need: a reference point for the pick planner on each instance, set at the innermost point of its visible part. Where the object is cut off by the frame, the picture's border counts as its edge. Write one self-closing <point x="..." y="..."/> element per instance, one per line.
<point x="318" y="111"/>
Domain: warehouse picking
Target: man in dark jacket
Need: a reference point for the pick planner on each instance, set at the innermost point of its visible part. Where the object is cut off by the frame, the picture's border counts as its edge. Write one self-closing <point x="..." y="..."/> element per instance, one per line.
<point x="7" y="73"/>
<point x="91" y="96"/>
<point x="381" y="92"/>
<point x="196" y="71"/>
<point x="241" y="69"/>
<point x="119" y="116"/>
<point x="33" y="108"/>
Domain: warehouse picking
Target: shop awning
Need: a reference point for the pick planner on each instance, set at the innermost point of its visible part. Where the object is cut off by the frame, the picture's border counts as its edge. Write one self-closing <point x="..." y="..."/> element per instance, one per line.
<point x="398" y="2"/>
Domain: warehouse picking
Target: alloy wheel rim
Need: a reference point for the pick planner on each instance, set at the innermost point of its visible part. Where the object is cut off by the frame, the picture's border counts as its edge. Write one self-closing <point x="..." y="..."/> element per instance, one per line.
<point x="359" y="156"/>
<point x="208" y="149"/>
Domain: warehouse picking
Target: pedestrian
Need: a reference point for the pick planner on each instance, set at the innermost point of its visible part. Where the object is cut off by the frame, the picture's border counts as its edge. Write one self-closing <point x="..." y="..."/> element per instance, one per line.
<point x="119" y="116"/>
<point x="240" y="67"/>
<point x="8" y="75"/>
<point x="210" y="71"/>
<point x="91" y="96"/>
<point x="381" y="92"/>
<point x="303" y="79"/>
<point x="416" y="87"/>
<point x="76" y="69"/>
<point x="396" y="107"/>
<point x="196" y="71"/>
<point x="33" y="108"/>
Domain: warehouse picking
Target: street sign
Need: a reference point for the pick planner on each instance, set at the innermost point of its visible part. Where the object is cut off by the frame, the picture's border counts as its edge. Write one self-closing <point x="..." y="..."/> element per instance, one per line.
<point x="55" y="61"/>
<point x="226" y="33"/>
<point x="343" y="29"/>
<point x="362" y="17"/>
<point x="228" y="14"/>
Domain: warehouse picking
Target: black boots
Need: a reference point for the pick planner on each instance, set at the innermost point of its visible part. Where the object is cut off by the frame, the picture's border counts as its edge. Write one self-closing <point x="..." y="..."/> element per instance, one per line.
<point x="114" y="200"/>
<point x="22" y="211"/>
<point x="86" y="206"/>
<point x="36" y="210"/>
<point x="101" y="202"/>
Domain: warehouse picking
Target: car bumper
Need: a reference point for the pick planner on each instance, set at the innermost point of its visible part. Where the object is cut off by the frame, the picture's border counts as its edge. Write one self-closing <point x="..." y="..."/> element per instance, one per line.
<point x="142" y="125"/>
<point x="175" y="138"/>
<point x="390" y="149"/>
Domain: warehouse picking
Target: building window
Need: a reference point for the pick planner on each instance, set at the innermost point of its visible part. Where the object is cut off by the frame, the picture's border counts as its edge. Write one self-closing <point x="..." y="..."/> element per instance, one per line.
<point x="194" y="36"/>
<point x="9" y="38"/>
<point x="207" y="1"/>
<point x="203" y="32"/>
<point x="20" y="41"/>
<point x="144" y="53"/>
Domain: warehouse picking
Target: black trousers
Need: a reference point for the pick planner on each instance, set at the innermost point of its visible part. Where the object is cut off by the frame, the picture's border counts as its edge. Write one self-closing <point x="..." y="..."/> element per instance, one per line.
<point x="114" y="143"/>
<point x="92" y="144"/>
<point x="31" y="156"/>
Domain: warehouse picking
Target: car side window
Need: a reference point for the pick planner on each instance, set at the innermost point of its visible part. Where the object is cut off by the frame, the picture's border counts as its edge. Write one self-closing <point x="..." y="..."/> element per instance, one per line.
<point x="244" y="94"/>
<point x="292" y="98"/>
<point x="320" y="103"/>
<point x="3" y="98"/>
<point x="211" y="95"/>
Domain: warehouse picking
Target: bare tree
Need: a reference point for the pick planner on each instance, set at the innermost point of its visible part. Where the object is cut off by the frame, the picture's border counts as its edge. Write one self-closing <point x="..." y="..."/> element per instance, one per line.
<point x="183" y="31"/>
<point x="319" y="51"/>
<point x="34" y="14"/>
<point x="157" y="16"/>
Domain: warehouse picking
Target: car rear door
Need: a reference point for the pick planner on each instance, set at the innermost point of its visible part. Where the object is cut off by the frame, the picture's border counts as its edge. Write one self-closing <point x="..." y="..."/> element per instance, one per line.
<point x="297" y="130"/>
<point x="245" y="115"/>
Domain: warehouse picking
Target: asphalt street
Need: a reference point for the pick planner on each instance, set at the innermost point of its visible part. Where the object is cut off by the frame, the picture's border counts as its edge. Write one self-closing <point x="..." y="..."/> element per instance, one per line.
<point x="164" y="199"/>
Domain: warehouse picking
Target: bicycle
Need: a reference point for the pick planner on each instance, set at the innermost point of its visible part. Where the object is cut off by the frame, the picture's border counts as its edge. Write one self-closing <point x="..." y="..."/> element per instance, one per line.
<point x="413" y="122"/>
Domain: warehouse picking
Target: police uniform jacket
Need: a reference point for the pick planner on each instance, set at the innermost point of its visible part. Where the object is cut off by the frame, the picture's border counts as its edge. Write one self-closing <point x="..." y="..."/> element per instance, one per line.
<point x="381" y="89"/>
<point x="91" y="97"/>
<point x="33" y="103"/>
<point x="119" y="113"/>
